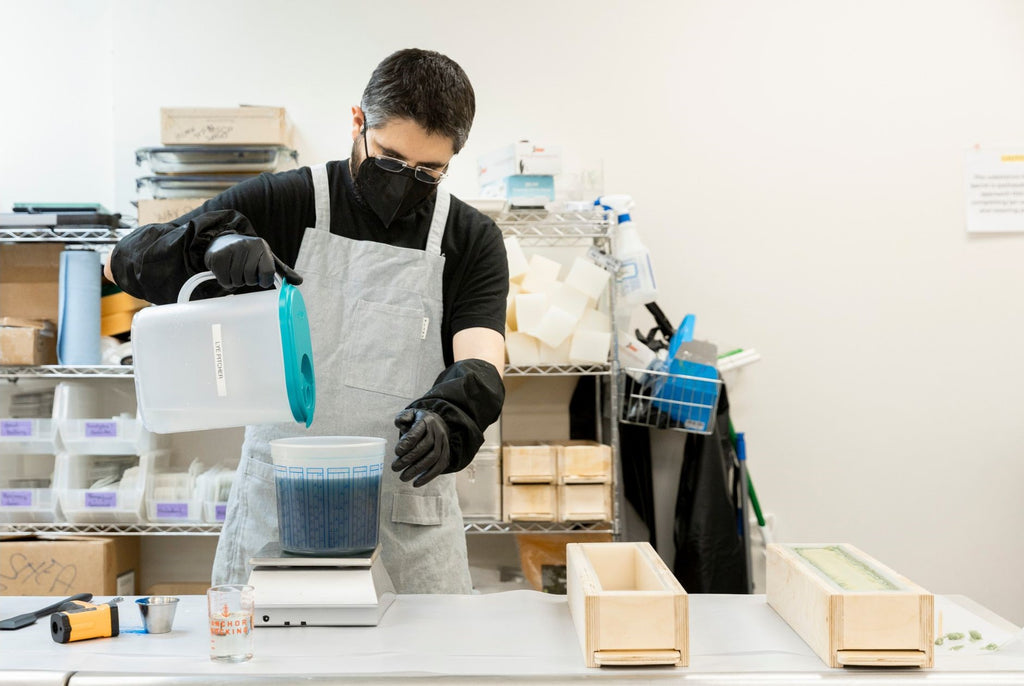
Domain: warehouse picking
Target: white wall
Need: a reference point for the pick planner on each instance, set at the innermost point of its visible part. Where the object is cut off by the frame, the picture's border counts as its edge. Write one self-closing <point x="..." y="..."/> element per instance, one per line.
<point x="798" y="172"/>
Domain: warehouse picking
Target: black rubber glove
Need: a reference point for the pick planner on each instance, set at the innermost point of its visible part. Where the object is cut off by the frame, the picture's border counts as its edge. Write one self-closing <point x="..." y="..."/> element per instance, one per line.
<point x="239" y="261"/>
<point x="423" y="451"/>
<point x="466" y="398"/>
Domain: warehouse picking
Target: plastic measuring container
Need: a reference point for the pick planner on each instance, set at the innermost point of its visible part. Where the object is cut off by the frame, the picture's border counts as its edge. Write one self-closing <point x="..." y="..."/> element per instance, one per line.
<point x="328" y="493"/>
<point x="224" y="362"/>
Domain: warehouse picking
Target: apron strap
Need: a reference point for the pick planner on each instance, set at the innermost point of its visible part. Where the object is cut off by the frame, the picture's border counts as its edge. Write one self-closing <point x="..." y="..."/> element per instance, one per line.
<point x="321" y="197"/>
<point x="442" y="203"/>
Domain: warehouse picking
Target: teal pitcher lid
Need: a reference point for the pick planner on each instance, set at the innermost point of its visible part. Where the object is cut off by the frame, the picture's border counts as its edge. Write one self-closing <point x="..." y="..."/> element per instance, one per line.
<point x="298" y="353"/>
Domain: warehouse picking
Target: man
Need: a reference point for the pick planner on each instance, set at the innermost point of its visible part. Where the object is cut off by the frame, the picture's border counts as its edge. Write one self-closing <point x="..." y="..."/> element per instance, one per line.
<point x="405" y="287"/>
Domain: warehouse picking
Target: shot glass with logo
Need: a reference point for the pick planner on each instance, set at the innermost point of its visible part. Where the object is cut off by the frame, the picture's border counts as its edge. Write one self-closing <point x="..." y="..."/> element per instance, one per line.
<point x="230" y="609"/>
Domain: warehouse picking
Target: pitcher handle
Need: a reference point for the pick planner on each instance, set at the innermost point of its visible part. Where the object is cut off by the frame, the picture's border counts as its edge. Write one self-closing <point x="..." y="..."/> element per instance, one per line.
<point x="185" y="294"/>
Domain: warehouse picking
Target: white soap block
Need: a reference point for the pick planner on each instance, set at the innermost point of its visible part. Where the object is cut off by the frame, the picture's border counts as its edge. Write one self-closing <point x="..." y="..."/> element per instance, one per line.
<point x="523" y="350"/>
<point x="517" y="262"/>
<point x="590" y="347"/>
<point x="510" y="307"/>
<point x="595" y="320"/>
<point x="555" y="327"/>
<point x="542" y="272"/>
<point x="587" y="277"/>
<point x="530" y="309"/>
<point x="559" y="355"/>
<point x="568" y="299"/>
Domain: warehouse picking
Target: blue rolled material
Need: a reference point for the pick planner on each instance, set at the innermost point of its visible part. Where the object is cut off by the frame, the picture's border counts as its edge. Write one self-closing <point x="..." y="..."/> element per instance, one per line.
<point x="78" y="315"/>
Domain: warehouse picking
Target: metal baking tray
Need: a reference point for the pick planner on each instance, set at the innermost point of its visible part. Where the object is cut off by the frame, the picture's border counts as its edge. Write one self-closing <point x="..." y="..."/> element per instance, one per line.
<point x="207" y="159"/>
<point x="188" y="186"/>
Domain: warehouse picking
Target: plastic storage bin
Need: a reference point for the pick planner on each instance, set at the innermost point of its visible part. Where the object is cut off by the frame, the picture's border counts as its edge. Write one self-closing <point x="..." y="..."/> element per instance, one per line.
<point x="479" y="487"/>
<point x="213" y="488"/>
<point x="172" y="497"/>
<point x="188" y="186"/>
<point x="26" y="489"/>
<point x="27" y="436"/>
<point x="224" y="362"/>
<point x="328" y="493"/>
<point x="205" y="159"/>
<point x="105" y="489"/>
<point x="113" y="436"/>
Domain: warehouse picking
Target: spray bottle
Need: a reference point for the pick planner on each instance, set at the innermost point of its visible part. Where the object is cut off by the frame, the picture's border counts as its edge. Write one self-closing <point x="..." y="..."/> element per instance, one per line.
<point x="636" y="276"/>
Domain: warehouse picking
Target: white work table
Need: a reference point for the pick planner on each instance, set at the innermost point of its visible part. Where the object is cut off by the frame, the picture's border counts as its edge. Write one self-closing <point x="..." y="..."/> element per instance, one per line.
<point x="514" y="636"/>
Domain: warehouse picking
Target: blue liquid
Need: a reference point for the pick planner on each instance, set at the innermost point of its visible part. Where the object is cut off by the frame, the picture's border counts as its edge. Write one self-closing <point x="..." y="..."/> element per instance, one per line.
<point x="328" y="511"/>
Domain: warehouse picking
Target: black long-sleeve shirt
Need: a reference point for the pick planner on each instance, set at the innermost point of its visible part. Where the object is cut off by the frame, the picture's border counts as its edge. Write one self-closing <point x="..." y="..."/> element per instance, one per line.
<point x="154" y="261"/>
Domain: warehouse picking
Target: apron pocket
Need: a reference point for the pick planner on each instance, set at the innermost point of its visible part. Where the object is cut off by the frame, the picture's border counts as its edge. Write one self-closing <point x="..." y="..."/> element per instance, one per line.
<point x="384" y="353"/>
<point x="259" y="470"/>
<point x="410" y="508"/>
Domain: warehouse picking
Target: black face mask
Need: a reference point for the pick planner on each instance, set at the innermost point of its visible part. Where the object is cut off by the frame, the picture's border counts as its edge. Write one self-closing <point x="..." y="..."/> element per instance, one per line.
<point x="390" y="194"/>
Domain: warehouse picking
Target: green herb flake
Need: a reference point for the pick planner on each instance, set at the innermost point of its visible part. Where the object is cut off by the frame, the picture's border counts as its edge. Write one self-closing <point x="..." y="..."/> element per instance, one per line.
<point x="959" y="647"/>
<point x="975" y="635"/>
<point x="991" y="646"/>
<point x="940" y="640"/>
<point x="955" y="636"/>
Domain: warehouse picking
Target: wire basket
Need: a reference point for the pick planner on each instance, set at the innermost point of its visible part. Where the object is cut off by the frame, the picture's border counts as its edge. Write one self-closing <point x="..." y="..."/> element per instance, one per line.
<point x="669" y="401"/>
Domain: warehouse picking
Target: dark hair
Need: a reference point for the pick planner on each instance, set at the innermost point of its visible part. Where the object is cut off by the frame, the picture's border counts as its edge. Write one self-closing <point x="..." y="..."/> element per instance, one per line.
<point x="424" y="86"/>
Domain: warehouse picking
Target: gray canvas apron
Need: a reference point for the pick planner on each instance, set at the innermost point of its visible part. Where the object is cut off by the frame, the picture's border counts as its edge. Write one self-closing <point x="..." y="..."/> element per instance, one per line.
<point x="375" y="319"/>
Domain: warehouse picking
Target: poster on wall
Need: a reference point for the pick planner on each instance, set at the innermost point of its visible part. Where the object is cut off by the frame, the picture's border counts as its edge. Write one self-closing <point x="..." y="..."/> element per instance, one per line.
<point x="995" y="189"/>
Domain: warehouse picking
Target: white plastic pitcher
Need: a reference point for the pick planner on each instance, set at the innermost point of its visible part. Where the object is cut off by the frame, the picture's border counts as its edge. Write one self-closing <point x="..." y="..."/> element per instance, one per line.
<point x="224" y="362"/>
<point x="328" y="493"/>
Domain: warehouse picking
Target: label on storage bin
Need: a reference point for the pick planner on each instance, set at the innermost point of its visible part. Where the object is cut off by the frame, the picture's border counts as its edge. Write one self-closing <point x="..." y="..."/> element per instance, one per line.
<point x="220" y="512"/>
<point x="101" y="429"/>
<point x="172" y="510"/>
<point x="16" y="498"/>
<point x="101" y="499"/>
<point x="16" y="427"/>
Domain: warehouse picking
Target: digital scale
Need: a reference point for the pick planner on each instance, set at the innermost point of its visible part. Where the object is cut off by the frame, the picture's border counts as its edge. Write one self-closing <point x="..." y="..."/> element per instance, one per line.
<point x="297" y="590"/>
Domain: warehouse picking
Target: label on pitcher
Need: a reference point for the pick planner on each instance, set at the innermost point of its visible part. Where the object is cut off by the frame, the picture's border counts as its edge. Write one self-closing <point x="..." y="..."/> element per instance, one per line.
<point x="101" y="429"/>
<point x="218" y="361"/>
<point x="100" y="499"/>
<point x="172" y="510"/>
<point x="16" y="498"/>
<point x="16" y="427"/>
<point x="220" y="512"/>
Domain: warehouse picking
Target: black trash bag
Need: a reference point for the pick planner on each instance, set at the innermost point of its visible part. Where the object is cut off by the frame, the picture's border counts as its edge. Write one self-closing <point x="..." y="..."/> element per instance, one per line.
<point x="709" y="545"/>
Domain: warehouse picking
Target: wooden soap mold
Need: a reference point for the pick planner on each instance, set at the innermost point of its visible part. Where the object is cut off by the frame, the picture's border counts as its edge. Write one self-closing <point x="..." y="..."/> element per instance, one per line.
<point x="872" y="628"/>
<point x="626" y="626"/>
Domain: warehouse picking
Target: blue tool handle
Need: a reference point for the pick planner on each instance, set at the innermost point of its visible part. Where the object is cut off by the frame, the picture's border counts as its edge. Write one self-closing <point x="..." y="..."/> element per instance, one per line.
<point x="684" y="334"/>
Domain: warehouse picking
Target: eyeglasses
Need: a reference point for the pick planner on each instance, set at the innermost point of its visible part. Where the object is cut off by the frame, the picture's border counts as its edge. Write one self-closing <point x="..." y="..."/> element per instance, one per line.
<point x="395" y="166"/>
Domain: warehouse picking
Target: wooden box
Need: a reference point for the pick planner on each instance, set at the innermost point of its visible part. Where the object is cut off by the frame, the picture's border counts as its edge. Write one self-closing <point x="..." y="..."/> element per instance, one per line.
<point x="584" y="462"/>
<point x="585" y="503"/>
<point x="529" y="503"/>
<point x="627" y="607"/>
<point x="529" y="463"/>
<point x="850" y="608"/>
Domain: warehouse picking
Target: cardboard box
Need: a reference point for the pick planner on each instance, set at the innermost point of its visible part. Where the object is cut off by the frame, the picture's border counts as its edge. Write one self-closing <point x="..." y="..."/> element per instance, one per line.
<point x="29" y="274"/>
<point x="522" y="191"/>
<point x="164" y="210"/>
<point x="65" y="565"/>
<point x="27" y="341"/>
<point x="245" y="125"/>
<point x="522" y="157"/>
<point x="179" y="588"/>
